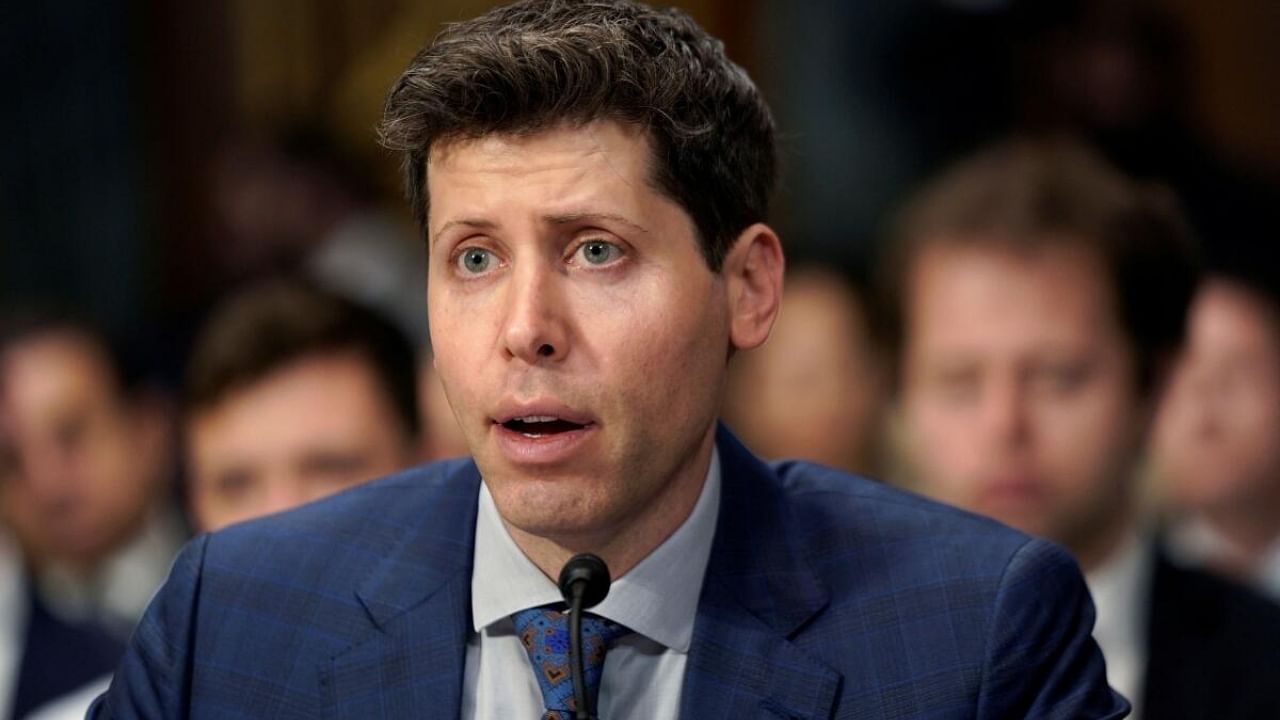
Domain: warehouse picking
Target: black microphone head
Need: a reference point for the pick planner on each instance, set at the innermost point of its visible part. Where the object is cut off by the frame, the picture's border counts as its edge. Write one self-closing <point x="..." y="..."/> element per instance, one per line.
<point x="589" y="571"/>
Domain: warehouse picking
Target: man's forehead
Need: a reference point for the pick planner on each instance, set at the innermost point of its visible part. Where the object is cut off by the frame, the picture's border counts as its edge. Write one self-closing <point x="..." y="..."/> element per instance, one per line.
<point x="954" y="286"/>
<point x="1013" y="246"/>
<point x="608" y="154"/>
<point x="58" y="358"/>
<point x="594" y="133"/>
<point x="978" y="261"/>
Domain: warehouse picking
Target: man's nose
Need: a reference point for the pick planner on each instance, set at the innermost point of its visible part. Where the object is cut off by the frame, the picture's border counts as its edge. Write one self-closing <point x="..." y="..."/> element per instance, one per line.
<point x="283" y="492"/>
<point x="1005" y="412"/>
<point x="536" y="328"/>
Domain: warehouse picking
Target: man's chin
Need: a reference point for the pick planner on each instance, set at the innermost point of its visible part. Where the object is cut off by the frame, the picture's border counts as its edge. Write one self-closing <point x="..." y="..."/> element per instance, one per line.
<point x="560" y="507"/>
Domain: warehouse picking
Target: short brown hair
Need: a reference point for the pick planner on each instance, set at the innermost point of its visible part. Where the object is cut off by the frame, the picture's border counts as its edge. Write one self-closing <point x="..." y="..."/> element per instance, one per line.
<point x="529" y="66"/>
<point x="1027" y="193"/>
<point x="25" y="322"/>
<point x="269" y="326"/>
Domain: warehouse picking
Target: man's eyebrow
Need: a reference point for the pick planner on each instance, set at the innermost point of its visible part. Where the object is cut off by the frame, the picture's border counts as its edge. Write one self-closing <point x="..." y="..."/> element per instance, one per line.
<point x="473" y="223"/>
<point x="556" y="219"/>
<point x="577" y="217"/>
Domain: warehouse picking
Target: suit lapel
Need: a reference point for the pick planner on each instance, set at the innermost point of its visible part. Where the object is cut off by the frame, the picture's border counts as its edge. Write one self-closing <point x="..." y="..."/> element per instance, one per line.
<point x="759" y="590"/>
<point x="409" y="659"/>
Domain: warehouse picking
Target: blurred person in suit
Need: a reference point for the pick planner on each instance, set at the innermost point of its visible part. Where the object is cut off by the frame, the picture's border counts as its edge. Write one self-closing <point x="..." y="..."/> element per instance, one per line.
<point x="294" y="393"/>
<point x="592" y="181"/>
<point x="817" y="389"/>
<point x="88" y="528"/>
<point x="89" y="499"/>
<point x="1217" y="441"/>
<point x="1038" y="298"/>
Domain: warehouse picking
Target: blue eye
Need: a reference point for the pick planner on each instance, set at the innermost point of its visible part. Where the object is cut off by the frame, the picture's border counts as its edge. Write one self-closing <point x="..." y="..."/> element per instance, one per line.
<point x="475" y="261"/>
<point x="599" y="252"/>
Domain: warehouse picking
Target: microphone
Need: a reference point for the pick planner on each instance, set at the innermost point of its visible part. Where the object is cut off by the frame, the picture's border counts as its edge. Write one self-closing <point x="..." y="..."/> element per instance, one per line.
<point x="584" y="582"/>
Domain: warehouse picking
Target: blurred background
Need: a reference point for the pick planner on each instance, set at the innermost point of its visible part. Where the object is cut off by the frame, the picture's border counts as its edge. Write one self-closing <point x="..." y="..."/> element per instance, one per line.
<point x="131" y="125"/>
<point x="158" y="156"/>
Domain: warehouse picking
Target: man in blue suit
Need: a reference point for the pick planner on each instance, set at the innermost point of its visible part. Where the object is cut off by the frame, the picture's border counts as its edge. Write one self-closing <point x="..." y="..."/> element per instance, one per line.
<point x="592" y="180"/>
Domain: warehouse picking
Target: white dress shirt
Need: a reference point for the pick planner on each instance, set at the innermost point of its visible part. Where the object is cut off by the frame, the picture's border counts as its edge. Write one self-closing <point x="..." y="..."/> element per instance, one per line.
<point x="117" y="592"/>
<point x="13" y="619"/>
<point x="1195" y="542"/>
<point x="643" y="673"/>
<point x="1121" y="589"/>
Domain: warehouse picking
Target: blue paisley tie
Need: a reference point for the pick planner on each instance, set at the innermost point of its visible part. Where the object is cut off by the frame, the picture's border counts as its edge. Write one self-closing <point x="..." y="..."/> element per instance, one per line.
<point x="544" y="632"/>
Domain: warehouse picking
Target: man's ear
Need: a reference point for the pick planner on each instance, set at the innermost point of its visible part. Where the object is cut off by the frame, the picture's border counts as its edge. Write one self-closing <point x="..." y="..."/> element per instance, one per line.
<point x="753" y="276"/>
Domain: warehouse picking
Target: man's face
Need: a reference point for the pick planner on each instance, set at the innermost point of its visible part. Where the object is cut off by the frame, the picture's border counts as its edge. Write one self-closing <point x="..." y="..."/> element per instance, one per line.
<point x="580" y="336"/>
<point x="82" y="459"/>
<point x="815" y="390"/>
<point x="1018" y="388"/>
<point x="1218" y="434"/>
<point x="310" y="429"/>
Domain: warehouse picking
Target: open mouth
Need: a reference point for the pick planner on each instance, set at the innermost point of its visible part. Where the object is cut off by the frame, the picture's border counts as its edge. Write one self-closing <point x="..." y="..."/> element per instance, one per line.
<point x="538" y="426"/>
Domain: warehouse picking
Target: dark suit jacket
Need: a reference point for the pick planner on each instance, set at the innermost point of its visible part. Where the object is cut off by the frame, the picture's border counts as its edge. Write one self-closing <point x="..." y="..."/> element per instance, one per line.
<point x="825" y="596"/>
<point x="1213" y="649"/>
<point x="58" y="657"/>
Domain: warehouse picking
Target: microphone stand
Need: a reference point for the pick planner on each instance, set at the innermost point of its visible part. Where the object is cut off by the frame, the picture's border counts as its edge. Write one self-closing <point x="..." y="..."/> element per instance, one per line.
<point x="584" y="582"/>
<point x="584" y="710"/>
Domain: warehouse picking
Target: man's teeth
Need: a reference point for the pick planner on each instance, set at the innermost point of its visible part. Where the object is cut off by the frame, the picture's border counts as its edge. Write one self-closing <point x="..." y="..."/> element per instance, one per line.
<point x="535" y="426"/>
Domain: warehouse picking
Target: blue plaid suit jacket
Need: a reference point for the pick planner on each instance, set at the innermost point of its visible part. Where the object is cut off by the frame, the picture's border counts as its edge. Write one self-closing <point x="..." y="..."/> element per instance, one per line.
<point x="826" y="596"/>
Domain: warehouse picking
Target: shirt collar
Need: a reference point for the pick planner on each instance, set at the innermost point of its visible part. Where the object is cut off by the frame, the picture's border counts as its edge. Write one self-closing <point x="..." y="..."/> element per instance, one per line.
<point x="120" y="588"/>
<point x="658" y="598"/>
<point x="1194" y="541"/>
<point x="1121" y="592"/>
<point x="1118" y="587"/>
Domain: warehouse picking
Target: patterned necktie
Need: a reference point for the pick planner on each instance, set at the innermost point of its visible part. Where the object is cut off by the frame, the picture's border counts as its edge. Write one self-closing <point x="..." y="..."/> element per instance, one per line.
<point x="544" y="632"/>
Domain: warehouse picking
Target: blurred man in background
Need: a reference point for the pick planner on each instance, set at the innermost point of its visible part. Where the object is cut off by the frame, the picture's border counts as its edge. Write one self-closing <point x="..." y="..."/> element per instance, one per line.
<point x="816" y="390"/>
<point x="294" y="394"/>
<point x="89" y="498"/>
<point x="1217" y="440"/>
<point x="1038" y="295"/>
<point x="87" y="526"/>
